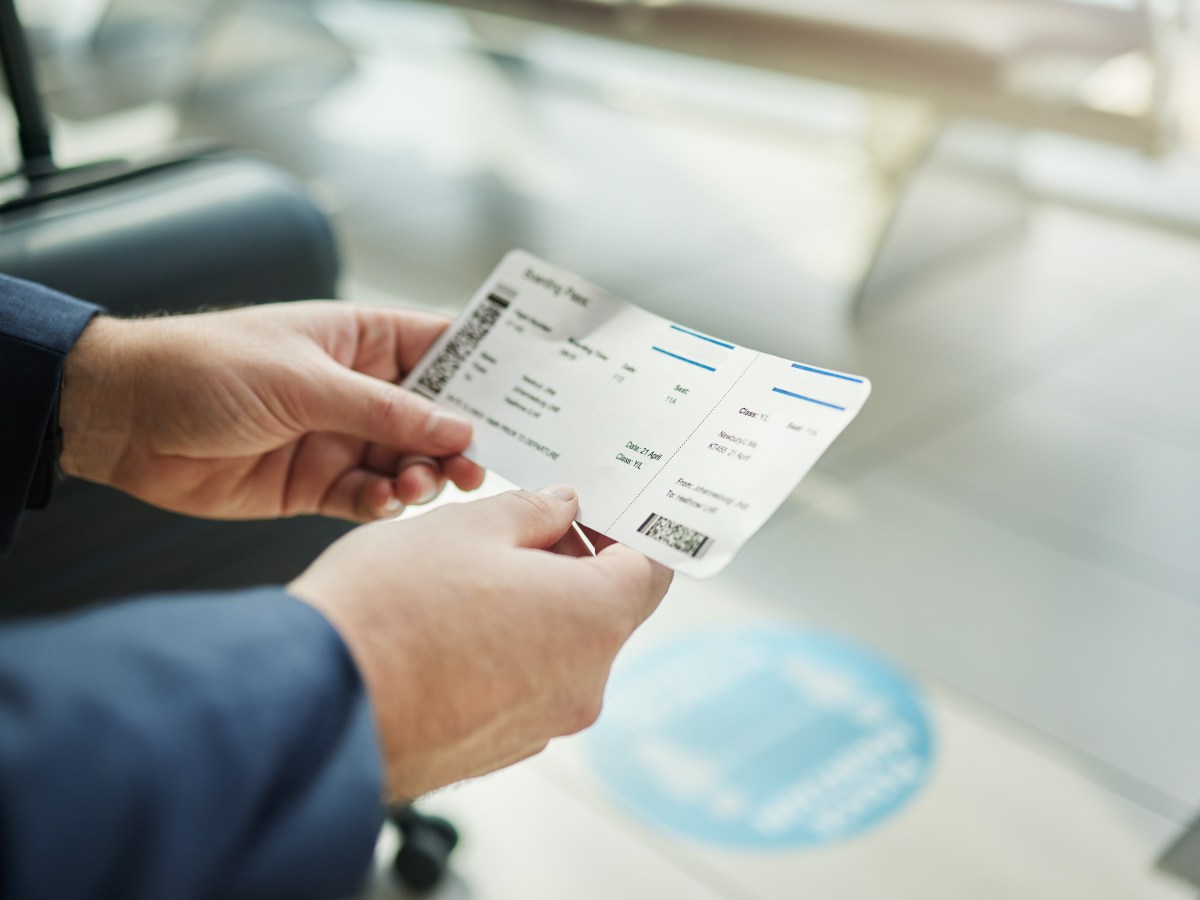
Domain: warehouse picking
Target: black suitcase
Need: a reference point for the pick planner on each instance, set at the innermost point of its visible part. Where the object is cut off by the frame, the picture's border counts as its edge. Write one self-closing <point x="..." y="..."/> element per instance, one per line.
<point x="201" y="227"/>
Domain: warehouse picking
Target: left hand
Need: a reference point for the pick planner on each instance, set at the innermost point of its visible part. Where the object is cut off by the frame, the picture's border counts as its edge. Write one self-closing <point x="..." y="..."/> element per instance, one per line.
<point x="266" y="411"/>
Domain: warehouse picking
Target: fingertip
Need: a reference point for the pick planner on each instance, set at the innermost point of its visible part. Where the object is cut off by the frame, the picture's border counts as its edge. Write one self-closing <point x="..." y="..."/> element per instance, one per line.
<point x="536" y="520"/>
<point x="563" y="492"/>
<point x="466" y="475"/>
<point x="383" y="501"/>
<point x="419" y="480"/>
<point x="374" y="499"/>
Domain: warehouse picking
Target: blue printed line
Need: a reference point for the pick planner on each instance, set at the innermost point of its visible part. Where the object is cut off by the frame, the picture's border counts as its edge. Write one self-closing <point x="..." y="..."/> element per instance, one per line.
<point x="684" y="358"/>
<point x="704" y="337"/>
<point x="809" y="399"/>
<point x="827" y="372"/>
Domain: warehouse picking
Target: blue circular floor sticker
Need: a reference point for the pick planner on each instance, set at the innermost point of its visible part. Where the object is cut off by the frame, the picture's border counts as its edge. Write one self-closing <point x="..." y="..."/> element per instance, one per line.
<point x="763" y="739"/>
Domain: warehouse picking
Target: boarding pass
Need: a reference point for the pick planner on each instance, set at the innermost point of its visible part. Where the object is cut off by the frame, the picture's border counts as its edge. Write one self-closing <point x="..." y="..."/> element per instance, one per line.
<point x="680" y="444"/>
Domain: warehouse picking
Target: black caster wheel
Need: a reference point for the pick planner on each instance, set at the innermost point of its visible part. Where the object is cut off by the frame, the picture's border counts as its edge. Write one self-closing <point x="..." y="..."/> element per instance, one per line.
<point x="426" y="843"/>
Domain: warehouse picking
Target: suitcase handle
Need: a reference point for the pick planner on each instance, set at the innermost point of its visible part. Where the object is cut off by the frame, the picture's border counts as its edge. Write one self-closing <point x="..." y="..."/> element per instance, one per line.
<point x="37" y="152"/>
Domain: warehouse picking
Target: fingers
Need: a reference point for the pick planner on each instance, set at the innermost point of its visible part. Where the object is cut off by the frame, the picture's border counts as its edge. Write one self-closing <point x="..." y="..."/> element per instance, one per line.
<point x="572" y="543"/>
<point x="377" y="411"/>
<point x="361" y="496"/>
<point x="381" y="459"/>
<point x="371" y="491"/>
<point x="419" y="479"/>
<point x="526" y="519"/>
<point x="543" y="521"/>
<point x="466" y="475"/>
<point x="414" y="331"/>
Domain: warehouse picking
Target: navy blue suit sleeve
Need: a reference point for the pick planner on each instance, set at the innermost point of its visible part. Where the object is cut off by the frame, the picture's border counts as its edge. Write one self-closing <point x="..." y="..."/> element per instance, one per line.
<point x="185" y="747"/>
<point x="38" y="328"/>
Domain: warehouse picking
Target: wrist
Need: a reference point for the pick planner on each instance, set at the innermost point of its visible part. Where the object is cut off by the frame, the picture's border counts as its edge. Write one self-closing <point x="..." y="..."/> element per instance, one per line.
<point x="382" y="668"/>
<point x="96" y="401"/>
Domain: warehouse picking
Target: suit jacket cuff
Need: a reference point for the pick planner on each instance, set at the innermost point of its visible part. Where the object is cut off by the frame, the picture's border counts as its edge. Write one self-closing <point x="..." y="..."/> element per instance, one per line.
<point x="38" y="328"/>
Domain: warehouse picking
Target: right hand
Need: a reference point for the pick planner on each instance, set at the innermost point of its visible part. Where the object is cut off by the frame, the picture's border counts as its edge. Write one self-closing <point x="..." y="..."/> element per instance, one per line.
<point x="477" y="644"/>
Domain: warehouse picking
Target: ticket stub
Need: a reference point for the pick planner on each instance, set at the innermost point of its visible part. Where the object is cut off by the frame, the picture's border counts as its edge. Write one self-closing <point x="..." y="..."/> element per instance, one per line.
<point x="680" y="444"/>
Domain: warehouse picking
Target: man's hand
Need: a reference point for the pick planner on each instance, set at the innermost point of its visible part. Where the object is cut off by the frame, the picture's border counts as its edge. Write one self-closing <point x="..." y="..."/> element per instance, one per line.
<point x="261" y="412"/>
<point x="476" y="644"/>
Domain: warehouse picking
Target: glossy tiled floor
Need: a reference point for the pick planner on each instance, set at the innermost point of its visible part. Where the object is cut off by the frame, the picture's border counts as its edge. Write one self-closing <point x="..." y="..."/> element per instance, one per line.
<point x="1013" y="520"/>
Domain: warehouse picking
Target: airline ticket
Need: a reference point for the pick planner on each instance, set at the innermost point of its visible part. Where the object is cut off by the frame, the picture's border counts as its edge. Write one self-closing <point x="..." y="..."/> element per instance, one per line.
<point x="680" y="444"/>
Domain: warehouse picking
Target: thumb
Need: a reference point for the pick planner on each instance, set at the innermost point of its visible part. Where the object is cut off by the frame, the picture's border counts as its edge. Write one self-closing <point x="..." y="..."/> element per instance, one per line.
<point x="526" y="519"/>
<point x="380" y="412"/>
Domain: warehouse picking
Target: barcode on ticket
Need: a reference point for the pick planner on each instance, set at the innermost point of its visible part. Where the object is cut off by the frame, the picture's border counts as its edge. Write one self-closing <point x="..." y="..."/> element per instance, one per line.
<point x="464" y="342"/>
<point x="676" y="536"/>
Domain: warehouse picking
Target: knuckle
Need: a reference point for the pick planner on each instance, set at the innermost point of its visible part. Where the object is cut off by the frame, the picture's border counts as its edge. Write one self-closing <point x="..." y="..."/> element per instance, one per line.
<point x="582" y="712"/>
<point x="530" y="505"/>
<point x="391" y="409"/>
<point x="381" y="410"/>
